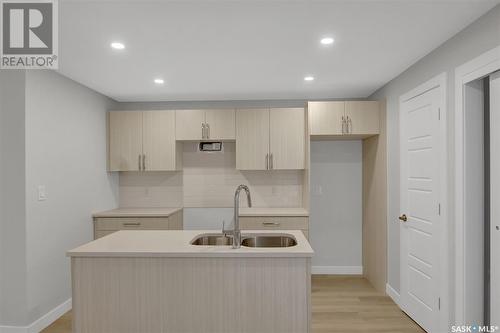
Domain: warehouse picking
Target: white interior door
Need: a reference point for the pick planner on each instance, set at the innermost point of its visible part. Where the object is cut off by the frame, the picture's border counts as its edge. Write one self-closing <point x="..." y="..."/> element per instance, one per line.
<point x="495" y="199"/>
<point x="420" y="183"/>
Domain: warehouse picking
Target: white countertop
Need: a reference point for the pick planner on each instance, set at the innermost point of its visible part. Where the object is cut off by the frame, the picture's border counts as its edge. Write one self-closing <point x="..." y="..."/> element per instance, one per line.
<point x="139" y="212"/>
<point x="273" y="212"/>
<point x="177" y="243"/>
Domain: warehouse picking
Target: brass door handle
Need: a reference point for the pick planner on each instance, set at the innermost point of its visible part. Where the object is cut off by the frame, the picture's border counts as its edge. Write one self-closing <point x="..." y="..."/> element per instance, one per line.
<point x="403" y="218"/>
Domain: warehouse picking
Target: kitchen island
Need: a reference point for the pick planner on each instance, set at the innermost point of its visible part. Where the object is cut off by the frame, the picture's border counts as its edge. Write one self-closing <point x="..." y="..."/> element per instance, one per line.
<point x="158" y="281"/>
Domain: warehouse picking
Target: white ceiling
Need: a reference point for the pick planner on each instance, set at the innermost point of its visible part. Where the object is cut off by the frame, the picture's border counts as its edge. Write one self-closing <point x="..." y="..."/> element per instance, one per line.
<point x="241" y="50"/>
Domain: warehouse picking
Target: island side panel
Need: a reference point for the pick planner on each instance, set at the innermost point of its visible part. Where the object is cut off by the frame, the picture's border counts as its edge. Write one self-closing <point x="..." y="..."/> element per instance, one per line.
<point x="223" y="295"/>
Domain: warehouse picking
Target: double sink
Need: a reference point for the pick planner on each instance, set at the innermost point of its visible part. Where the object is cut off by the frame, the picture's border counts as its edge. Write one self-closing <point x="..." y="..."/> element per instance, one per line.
<point x="246" y="240"/>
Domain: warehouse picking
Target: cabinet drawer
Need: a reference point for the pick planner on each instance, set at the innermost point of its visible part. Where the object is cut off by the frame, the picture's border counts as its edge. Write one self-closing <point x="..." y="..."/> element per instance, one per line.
<point x="273" y="222"/>
<point x="153" y="223"/>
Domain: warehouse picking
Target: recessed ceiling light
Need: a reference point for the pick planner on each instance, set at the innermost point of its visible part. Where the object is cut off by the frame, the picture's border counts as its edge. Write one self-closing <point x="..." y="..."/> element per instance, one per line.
<point x="117" y="45"/>
<point x="327" y="40"/>
<point x="309" y="78"/>
<point x="159" y="81"/>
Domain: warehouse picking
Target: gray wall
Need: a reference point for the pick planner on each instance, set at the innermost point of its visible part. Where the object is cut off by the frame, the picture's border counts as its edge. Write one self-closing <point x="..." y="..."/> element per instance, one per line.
<point x="336" y="203"/>
<point x="479" y="37"/>
<point x="12" y="198"/>
<point x="53" y="133"/>
<point x="66" y="152"/>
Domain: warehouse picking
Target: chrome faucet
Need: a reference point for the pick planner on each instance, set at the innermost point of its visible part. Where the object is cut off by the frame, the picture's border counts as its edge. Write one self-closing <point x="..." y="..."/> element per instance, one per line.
<point x="236" y="232"/>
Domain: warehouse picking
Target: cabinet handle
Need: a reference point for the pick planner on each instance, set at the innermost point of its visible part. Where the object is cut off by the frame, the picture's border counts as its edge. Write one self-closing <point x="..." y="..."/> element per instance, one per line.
<point x="140" y="167"/>
<point x="144" y="162"/>
<point x="267" y="161"/>
<point x="349" y="125"/>
<point x="208" y="130"/>
<point x="343" y="125"/>
<point x="203" y="130"/>
<point x="131" y="224"/>
<point x="271" y="224"/>
<point x="271" y="158"/>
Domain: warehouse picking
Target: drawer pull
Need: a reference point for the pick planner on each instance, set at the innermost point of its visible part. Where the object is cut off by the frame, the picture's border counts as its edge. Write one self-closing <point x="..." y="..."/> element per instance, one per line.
<point x="271" y="224"/>
<point x="131" y="224"/>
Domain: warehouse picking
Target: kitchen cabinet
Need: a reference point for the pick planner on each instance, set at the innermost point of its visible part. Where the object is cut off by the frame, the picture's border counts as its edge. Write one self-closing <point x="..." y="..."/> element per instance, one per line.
<point x="197" y="125"/>
<point x="275" y="223"/>
<point x="189" y="124"/>
<point x="356" y="119"/>
<point x="104" y="226"/>
<point x="362" y="117"/>
<point x="287" y="138"/>
<point x="125" y="141"/>
<point x="326" y="118"/>
<point x="143" y="141"/>
<point x="270" y="139"/>
<point x="252" y="139"/>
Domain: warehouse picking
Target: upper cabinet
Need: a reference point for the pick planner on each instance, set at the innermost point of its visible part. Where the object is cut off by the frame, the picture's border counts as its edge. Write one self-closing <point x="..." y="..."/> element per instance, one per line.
<point x="268" y="139"/>
<point x="339" y="118"/>
<point x="125" y="141"/>
<point x="189" y="124"/>
<point x="362" y="117"/>
<point x="143" y="141"/>
<point x="287" y="138"/>
<point x="252" y="139"/>
<point x="326" y="118"/>
<point x="205" y="124"/>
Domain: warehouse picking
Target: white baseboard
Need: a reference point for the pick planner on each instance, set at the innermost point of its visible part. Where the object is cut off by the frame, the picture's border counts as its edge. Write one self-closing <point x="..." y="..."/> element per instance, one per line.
<point x="392" y="293"/>
<point x="41" y="322"/>
<point x="337" y="270"/>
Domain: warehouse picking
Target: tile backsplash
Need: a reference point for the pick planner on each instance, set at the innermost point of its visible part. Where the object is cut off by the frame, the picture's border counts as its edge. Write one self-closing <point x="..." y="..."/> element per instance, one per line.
<point x="150" y="189"/>
<point x="209" y="180"/>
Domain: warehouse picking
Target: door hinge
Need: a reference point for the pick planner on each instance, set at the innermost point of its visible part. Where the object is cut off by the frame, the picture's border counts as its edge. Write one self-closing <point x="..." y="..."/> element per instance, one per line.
<point x="439" y="303"/>
<point x="439" y="209"/>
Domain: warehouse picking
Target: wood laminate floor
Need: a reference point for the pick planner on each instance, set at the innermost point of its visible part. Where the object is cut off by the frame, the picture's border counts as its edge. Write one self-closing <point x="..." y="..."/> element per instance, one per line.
<point x="339" y="304"/>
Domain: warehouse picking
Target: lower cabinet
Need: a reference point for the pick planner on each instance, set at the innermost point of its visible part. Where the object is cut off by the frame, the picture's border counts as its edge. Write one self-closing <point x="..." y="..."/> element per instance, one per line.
<point x="104" y="226"/>
<point x="275" y="223"/>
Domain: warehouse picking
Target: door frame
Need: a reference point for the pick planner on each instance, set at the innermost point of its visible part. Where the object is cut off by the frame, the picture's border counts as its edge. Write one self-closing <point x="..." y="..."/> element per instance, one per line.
<point x="472" y="70"/>
<point x="439" y="81"/>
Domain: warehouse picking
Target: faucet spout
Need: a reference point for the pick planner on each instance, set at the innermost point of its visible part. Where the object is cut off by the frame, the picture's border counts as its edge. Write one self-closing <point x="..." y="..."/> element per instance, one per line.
<point x="236" y="227"/>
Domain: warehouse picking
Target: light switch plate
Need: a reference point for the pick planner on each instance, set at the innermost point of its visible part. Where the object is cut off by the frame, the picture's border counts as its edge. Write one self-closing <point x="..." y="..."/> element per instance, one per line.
<point x="42" y="193"/>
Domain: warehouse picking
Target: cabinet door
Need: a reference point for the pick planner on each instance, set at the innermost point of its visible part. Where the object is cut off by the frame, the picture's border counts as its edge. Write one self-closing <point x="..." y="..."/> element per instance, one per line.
<point x="220" y="124"/>
<point x="325" y="118"/>
<point x="252" y="139"/>
<point x="287" y="138"/>
<point x="188" y="124"/>
<point x="159" y="140"/>
<point x="125" y="140"/>
<point x="363" y="117"/>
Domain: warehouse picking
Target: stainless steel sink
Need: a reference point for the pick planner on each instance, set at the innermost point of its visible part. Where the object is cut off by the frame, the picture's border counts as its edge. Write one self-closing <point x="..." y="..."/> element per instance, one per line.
<point x="268" y="241"/>
<point x="247" y="240"/>
<point x="212" y="240"/>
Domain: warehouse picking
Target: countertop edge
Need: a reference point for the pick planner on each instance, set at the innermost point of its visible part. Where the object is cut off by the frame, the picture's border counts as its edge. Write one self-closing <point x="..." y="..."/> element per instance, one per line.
<point x="177" y="243"/>
<point x="190" y="255"/>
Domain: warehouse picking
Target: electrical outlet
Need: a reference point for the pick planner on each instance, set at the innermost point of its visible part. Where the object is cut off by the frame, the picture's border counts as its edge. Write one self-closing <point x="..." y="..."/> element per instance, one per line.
<point x="42" y="193"/>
